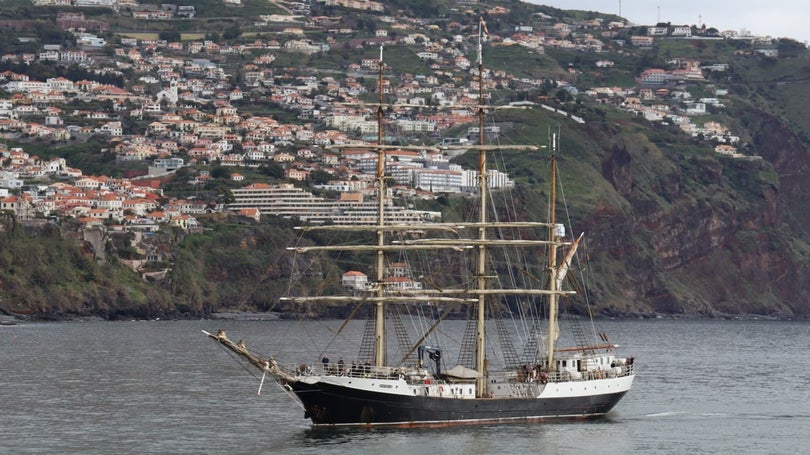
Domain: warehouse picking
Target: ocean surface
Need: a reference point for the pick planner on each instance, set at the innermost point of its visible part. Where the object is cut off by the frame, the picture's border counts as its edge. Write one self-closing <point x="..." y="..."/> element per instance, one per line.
<point x="162" y="387"/>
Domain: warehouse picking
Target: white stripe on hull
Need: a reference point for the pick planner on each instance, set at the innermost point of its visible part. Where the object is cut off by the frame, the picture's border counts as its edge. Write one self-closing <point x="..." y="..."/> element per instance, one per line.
<point x="566" y="389"/>
<point x="587" y="388"/>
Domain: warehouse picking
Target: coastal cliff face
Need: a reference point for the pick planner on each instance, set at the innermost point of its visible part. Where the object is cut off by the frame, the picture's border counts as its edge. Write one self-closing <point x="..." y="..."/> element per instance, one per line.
<point x="704" y="235"/>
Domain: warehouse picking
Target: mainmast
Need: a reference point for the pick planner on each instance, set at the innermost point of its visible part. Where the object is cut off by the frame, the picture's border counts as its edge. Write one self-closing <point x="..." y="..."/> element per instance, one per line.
<point x="480" y="342"/>
<point x="379" y="311"/>
<point x="553" y="329"/>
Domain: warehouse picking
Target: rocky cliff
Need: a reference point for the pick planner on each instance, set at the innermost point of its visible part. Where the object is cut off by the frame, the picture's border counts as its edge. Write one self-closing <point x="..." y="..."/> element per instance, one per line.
<point x="696" y="234"/>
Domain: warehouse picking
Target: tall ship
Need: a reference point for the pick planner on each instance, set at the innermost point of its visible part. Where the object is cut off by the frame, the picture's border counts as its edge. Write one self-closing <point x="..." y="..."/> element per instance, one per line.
<point x="407" y="382"/>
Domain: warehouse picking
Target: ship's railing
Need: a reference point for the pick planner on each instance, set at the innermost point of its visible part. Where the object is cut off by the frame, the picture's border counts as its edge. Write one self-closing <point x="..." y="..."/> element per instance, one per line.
<point x="422" y="376"/>
<point x="356" y="370"/>
<point x="566" y="376"/>
<point x="563" y="376"/>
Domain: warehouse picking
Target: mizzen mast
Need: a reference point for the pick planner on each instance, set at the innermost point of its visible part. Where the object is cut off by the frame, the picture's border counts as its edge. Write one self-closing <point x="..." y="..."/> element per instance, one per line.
<point x="553" y="329"/>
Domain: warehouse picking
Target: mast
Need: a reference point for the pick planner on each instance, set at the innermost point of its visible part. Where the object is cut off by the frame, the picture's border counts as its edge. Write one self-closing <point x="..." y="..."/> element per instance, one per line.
<point x="480" y="341"/>
<point x="379" y="307"/>
<point x="553" y="329"/>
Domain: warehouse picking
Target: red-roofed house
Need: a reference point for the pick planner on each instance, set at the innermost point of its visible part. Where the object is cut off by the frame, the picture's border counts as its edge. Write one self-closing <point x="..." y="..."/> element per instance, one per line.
<point x="252" y="213"/>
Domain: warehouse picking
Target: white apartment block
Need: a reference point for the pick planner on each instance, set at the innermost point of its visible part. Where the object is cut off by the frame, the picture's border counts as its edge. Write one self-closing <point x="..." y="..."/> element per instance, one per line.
<point x="495" y="180"/>
<point x="423" y="126"/>
<point x="438" y="180"/>
<point x="288" y="201"/>
<point x="27" y="86"/>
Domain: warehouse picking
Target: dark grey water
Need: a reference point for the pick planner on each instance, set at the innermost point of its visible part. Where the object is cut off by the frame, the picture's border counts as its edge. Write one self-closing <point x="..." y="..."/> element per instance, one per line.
<point x="161" y="387"/>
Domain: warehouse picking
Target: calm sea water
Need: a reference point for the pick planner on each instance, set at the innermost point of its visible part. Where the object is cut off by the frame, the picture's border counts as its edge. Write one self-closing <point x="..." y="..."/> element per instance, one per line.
<point x="738" y="387"/>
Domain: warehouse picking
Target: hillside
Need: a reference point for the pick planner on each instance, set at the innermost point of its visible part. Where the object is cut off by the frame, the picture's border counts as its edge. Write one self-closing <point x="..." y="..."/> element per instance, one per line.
<point x="681" y="221"/>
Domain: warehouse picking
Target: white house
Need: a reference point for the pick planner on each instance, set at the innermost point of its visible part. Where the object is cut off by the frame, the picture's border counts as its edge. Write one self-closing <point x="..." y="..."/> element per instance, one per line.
<point x="355" y="280"/>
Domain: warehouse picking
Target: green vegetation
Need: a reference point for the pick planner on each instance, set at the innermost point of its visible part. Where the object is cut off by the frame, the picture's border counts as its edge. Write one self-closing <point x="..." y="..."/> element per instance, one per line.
<point x="419" y="8"/>
<point x="92" y="156"/>
<point x="667" y="211"/>
<point x="46" y="275"/>
<point x="216" y="8"/>
<point x="43" y="72"/>
<point x="520" y="61"/>
<point x="224" y="268"/>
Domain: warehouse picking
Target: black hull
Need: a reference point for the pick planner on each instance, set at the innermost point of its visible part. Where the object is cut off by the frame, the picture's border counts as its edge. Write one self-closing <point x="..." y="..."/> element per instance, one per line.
<point x="328" y="404"/>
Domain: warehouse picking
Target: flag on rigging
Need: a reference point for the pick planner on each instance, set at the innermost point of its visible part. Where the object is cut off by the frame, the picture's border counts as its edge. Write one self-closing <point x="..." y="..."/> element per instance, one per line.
<point x="483" y="34"/>
<point x="483" y="29"/>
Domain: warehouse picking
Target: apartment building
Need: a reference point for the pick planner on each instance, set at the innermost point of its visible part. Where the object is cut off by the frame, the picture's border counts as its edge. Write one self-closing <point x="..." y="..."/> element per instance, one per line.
<point x="288" y="201"/>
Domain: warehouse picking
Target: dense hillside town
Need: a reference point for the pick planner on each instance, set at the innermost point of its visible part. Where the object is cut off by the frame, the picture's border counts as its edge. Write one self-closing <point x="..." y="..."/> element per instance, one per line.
<point x="183" y="104"/>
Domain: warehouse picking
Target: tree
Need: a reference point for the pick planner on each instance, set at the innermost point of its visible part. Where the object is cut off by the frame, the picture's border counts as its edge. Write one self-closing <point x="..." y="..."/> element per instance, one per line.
<point x="273" y="170"/>
<point x="169" y="35"/>
<point x="225" y="195"/>
<point x="790" y="48"/>
<point x="232" y="32"/>
<point x="220" y="172"/>
<point x="319" y="177"/>
<point x="563" y="96"/>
